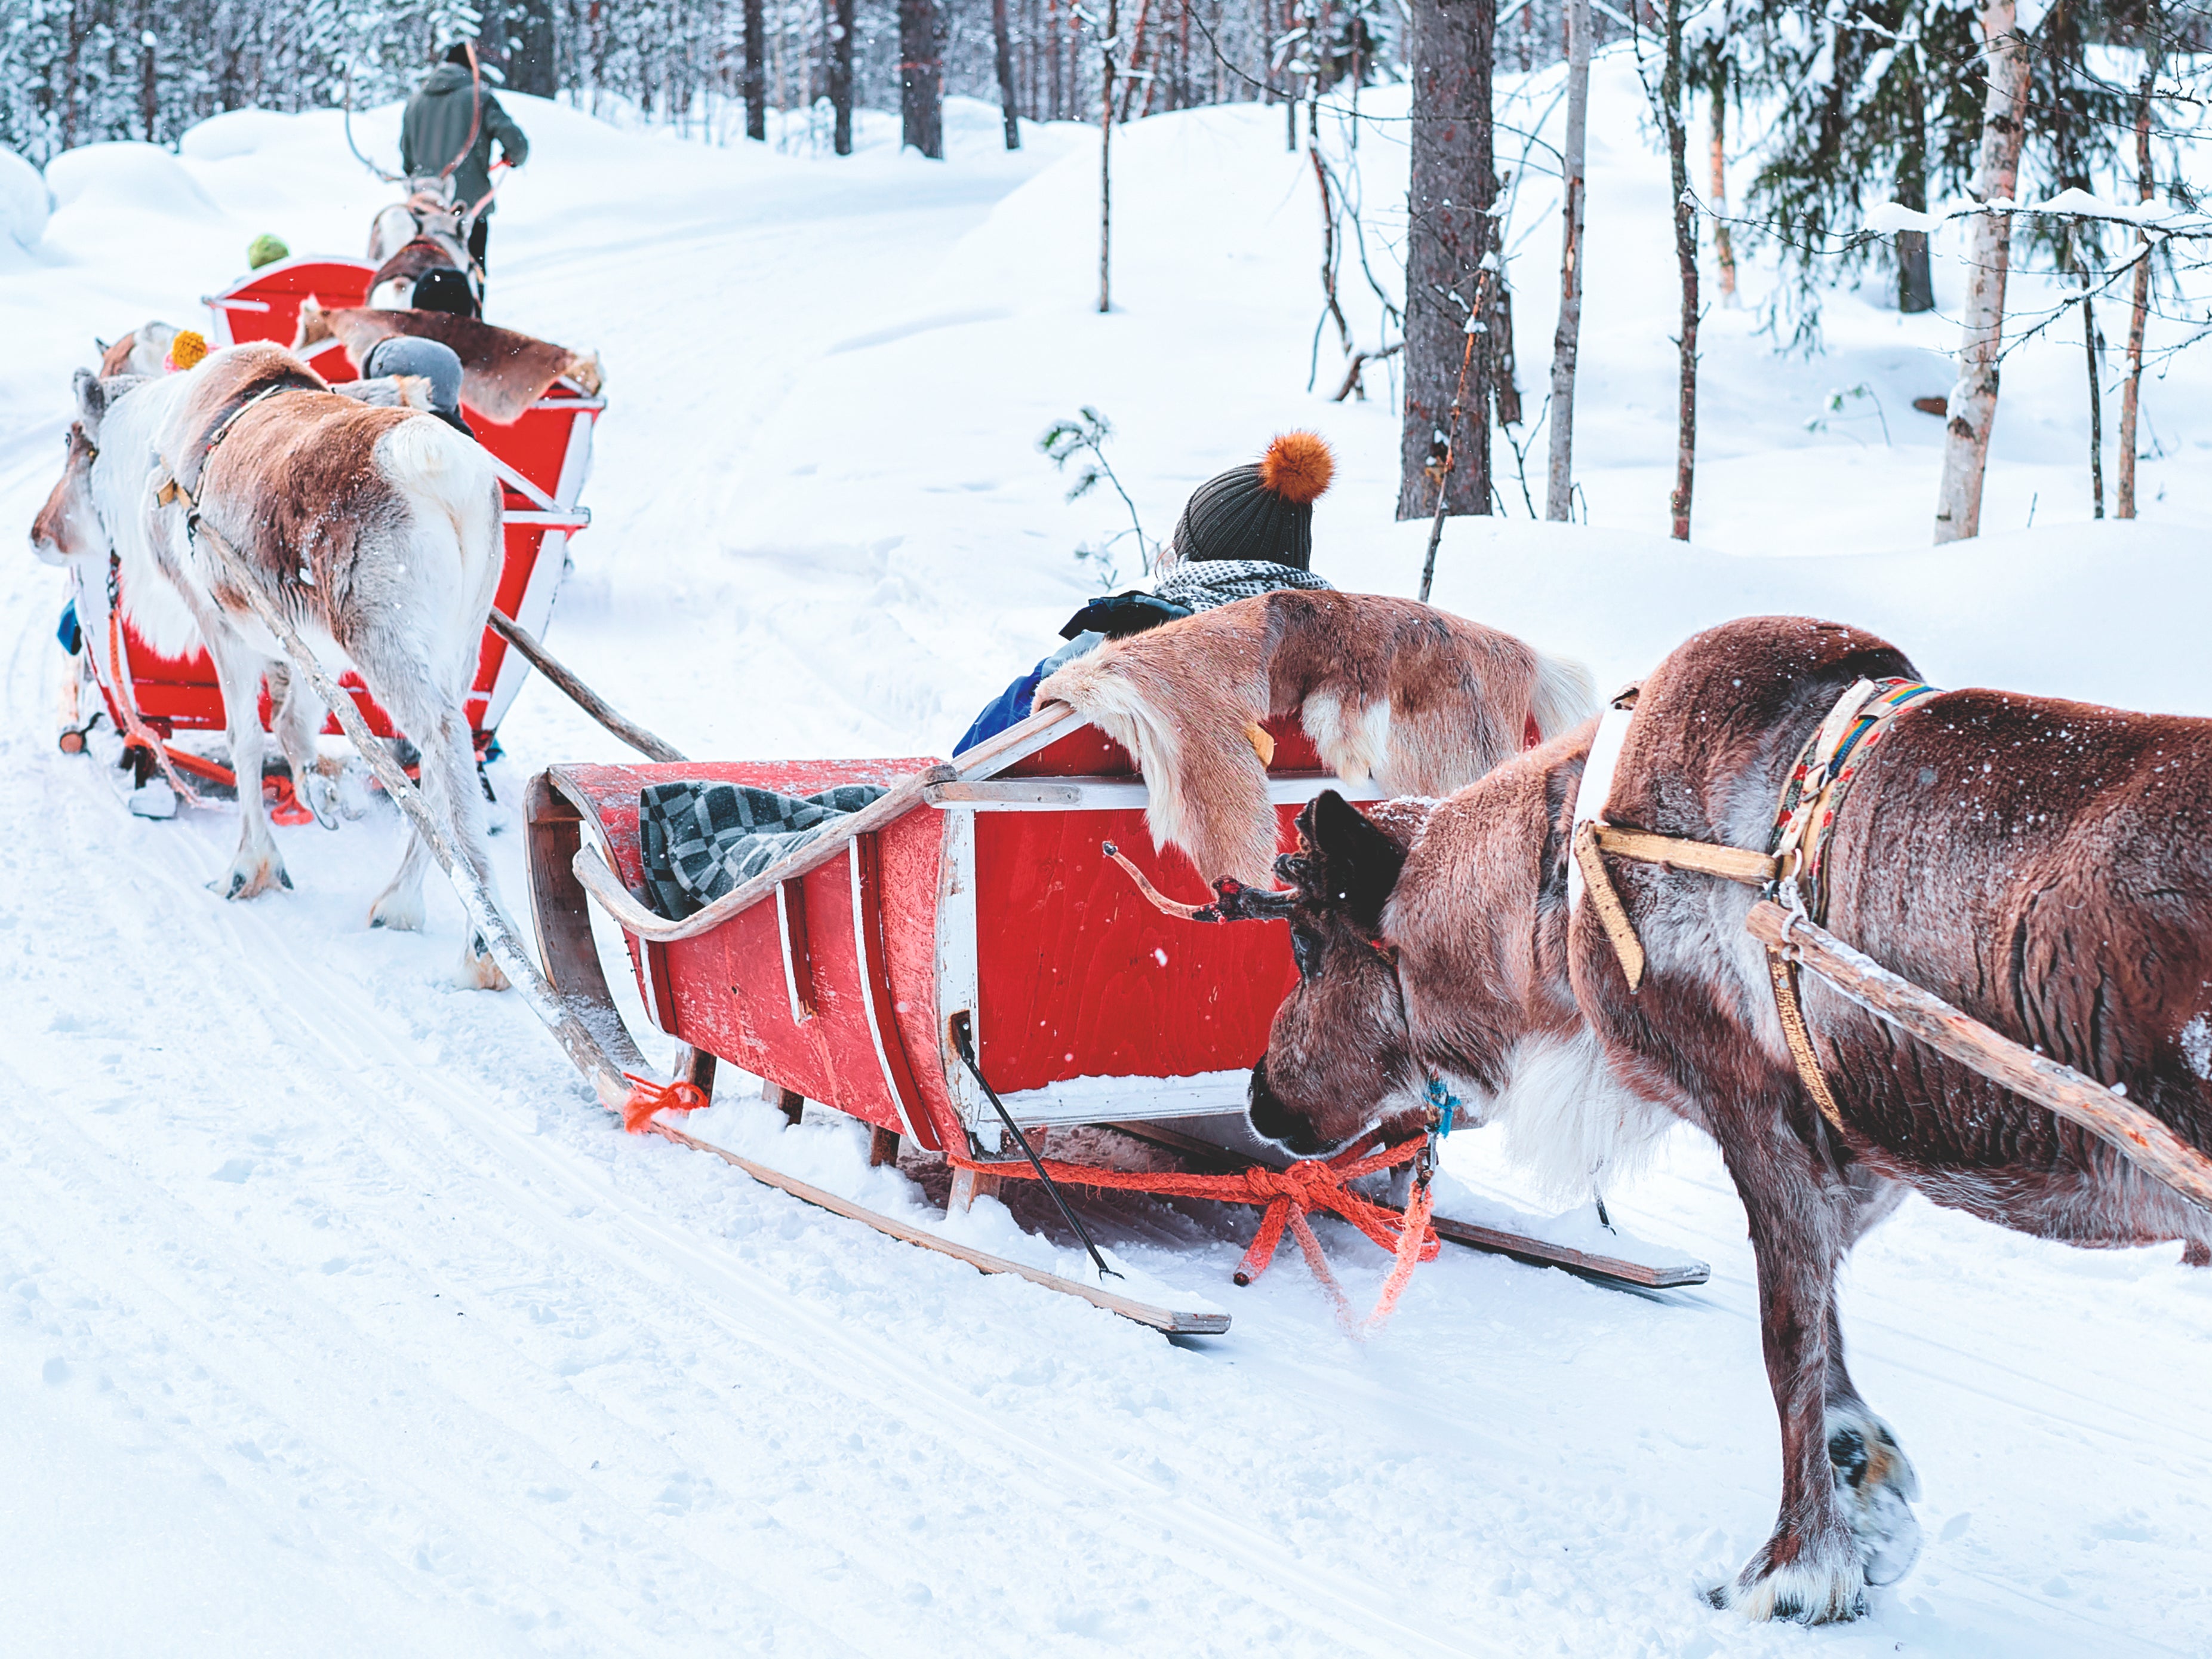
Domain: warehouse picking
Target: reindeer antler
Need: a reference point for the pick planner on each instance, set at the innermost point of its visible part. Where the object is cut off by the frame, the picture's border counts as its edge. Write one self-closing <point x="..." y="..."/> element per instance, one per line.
<point x="1233" y="900"/>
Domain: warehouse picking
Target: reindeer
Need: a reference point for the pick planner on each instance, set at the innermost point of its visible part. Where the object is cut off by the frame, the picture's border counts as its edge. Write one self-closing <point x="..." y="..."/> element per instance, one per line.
<point x="2042" y="864"/>
<point x="426" y="232"/>
<point x="377" y="529"/>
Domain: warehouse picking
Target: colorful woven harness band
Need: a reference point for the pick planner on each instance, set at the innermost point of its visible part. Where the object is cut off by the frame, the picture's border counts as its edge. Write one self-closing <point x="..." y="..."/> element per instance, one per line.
<point x="1831" y="759"/>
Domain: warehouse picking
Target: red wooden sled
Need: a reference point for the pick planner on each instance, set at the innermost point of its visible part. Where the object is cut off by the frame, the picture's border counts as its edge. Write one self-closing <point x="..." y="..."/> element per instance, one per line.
<point x="971" y="904"/>
<point x="544" y="458"/>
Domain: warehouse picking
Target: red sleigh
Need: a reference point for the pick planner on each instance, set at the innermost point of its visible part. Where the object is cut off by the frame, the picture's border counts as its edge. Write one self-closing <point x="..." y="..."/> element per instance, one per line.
<point x="544" y="458"/>
<point x="966" y="915"/>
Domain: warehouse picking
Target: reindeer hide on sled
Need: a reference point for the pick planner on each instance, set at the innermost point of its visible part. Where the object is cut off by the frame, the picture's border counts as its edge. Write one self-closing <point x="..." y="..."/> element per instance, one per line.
<point x="1419" y="701"/>
<point x="502" y="373"/>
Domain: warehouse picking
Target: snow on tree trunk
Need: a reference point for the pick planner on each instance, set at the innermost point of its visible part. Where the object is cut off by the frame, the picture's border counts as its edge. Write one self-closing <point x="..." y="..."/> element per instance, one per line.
<point x="1002" y="45"/>
<point x="1558" y="488"/>
<point x="1686" y="260"/>
<point x="921" y="76"/>
<point x="1450" y="240"/>
<point x="756" y="71"/>
<point x="1973" y="403"/>
<point x="2124" y="485"/>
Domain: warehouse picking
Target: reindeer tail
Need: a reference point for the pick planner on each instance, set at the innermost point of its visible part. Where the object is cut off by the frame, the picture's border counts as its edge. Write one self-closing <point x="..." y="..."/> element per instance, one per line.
<point x="1563" y="697"/>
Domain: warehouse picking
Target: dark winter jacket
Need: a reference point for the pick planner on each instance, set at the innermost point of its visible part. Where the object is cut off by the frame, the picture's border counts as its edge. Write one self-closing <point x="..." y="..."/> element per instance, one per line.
<point x="436" y="125"/>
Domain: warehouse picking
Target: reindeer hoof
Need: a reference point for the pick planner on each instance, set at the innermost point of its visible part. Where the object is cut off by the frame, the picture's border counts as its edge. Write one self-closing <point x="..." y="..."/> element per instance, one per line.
<point x="1820" y="1587"/>
<point x="251" y="880"/>
<point x="478" y="971"/>
<point x="1875" y="1485"/>
<point x="401" y="915"/>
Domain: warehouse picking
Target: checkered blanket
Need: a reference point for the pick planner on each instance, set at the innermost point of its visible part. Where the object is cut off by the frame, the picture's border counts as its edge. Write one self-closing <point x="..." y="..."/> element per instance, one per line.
<point x="701" y="840"/>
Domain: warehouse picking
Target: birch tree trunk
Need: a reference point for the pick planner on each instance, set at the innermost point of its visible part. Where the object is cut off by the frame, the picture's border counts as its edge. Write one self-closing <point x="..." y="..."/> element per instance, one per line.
<point x="2095" y="347"/>
<point x="1723" y="250"/>
<point x="1451" y="239"/>
<point x="1973" y="404"/>
<point x="1106" y="156"/>
<point x="1004" y="47"/>
<point x="1686" y="260"/>
<point x="2125" y="503"/>
<point x="921" y="76"/>
<point x="1558" y="486"/>
<point x="756" y="71"/>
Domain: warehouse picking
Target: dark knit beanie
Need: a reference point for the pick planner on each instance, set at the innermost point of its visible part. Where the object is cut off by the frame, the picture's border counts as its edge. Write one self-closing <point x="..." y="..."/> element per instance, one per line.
<point x="1262" y="511"/>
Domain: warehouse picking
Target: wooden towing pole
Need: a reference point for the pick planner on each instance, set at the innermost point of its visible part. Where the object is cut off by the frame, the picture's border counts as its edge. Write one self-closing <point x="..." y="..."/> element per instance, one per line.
<point x="2142" y="1138"/>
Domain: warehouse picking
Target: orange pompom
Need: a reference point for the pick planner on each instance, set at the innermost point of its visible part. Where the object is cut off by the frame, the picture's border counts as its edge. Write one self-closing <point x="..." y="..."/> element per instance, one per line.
<point x="1297" y="466"/>
<point x="187" y="349"/>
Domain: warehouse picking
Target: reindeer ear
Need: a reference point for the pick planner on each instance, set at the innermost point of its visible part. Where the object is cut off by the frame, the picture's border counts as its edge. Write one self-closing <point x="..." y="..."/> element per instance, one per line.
<point x="91" y="401"/>
<point x="1345" y="861"/>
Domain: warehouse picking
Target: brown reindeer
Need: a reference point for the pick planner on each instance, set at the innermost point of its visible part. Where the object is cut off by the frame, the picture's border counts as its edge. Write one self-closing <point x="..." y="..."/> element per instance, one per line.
<point x="502" y="373"/>
<point x="377" y="529"/>
<point x="1417" y="700"/>
<point x="2044" y="865"/>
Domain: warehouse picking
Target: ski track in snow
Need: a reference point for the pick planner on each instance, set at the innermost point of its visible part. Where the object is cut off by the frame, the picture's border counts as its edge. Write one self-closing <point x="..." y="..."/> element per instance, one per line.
<point x="334" y="1316"/>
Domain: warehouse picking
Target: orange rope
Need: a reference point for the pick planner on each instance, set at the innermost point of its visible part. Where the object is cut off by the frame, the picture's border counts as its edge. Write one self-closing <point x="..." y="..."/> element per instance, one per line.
<point x="647" y="1097"/>
<point x="1286" y="1197"/>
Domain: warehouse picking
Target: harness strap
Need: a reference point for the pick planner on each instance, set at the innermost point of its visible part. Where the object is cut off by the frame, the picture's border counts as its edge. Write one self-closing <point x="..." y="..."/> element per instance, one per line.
<point x="1830" y="760"/>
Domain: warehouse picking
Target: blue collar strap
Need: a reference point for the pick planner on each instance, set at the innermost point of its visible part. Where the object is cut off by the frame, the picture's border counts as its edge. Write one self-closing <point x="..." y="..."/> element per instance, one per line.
<point x="1447" y="1108"/>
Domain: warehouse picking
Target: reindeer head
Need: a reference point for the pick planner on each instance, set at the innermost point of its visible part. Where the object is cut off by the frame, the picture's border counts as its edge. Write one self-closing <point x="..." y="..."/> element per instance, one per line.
<point x="68" y="527"/>
<point x="1339" y="1060"/>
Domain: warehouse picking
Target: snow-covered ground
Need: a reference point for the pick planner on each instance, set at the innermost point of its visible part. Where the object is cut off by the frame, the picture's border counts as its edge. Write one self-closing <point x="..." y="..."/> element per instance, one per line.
<point x="334" y="1317"/>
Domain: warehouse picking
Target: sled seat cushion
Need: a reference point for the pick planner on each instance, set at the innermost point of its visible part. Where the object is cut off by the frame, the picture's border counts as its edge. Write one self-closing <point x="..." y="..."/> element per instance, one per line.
<point x="701" y="840"/>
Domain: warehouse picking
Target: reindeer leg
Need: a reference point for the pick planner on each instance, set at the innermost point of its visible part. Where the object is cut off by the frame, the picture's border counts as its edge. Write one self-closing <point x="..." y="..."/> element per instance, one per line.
<point x="449" y="778"/>
<point x="1811" y="1569"/>
<point x="1875" y="1483"/>
<point x="399" y="906"/>
<point x="299" y="715"/>
<point x="258" y="868"/>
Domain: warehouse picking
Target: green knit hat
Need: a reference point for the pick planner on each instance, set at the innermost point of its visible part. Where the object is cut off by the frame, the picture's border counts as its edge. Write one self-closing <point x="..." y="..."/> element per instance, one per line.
<point x="265" y="249"/>
<point x="1260" y="511"/>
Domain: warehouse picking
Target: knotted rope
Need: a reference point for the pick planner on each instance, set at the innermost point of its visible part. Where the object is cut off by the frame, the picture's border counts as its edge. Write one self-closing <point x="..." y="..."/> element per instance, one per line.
<point x="1285" y="1198"/>
<point x="647" y="1097"/>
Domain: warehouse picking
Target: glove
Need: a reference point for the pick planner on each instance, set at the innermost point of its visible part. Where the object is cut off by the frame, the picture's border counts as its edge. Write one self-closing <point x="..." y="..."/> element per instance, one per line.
<point x="1118" y="615"/>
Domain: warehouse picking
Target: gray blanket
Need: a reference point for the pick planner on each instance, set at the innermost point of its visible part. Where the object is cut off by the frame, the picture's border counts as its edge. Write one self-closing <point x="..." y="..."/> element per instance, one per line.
<point x="701" y="840"/>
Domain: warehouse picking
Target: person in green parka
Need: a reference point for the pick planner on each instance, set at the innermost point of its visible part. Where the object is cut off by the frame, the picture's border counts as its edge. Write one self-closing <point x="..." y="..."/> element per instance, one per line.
<point x="440" y="117"/>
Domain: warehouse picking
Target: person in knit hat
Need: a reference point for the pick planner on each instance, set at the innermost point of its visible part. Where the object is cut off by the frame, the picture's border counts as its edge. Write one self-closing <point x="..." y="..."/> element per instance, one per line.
<point x="1243" y="532"/>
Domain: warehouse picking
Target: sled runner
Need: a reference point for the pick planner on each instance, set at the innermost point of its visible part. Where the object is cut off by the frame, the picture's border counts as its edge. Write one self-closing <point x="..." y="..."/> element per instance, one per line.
<point x="544" y="457"/>
<point x="959" y="937"/>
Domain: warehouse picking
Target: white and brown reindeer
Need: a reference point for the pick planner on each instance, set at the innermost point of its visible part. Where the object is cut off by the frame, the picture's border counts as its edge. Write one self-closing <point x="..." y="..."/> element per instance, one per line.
<point x="427" y="231"/>
<point x="2043" y="865"/>
<point x="377" y="531"/>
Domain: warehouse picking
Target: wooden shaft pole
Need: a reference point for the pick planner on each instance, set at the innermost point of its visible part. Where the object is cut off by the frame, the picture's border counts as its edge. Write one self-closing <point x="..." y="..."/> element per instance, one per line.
<point x="580" y="694"/>
<point x="2142" y="1139"/>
